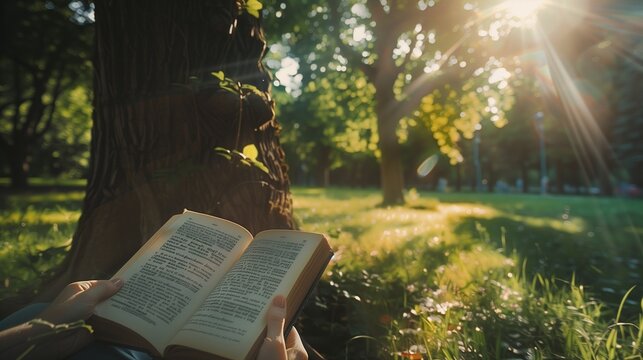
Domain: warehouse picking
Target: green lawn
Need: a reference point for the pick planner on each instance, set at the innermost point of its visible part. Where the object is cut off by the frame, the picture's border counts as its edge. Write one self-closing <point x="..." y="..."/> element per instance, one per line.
<point x="449" y="275"/>
<point x="597" y="239"/>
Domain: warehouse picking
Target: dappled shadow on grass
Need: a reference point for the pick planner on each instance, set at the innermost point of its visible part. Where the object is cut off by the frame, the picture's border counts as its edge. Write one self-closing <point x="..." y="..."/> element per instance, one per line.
<point x="52" y="202"/>
<point x="466" y="249"/>
<point x="595" y="239"/>
<point x="351" y="303"/>
<point x="336" y="193"/>
<point x="607" y="271"/>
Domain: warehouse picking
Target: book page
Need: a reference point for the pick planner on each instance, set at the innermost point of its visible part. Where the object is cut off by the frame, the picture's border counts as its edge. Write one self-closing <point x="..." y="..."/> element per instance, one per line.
<point x="233" y="315"/>
<point x="172" y="274"/>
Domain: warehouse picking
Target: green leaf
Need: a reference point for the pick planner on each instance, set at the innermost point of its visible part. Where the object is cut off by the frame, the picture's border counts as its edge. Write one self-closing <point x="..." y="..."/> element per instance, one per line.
<point x="219" y="75"/>
<point x="223" y="152"/>
<point x="250" y="151"/>
<point x="221" y="149"/>
<point x="247" y="158"/>
<point x="261" y="166"/>
<point x="225" y="86"/>
<point x="253" y="7"/>
<point x="252" y="88"/>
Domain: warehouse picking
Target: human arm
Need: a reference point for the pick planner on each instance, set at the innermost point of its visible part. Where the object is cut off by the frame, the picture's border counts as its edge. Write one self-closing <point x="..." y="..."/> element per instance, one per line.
<point x="75" y="303"/>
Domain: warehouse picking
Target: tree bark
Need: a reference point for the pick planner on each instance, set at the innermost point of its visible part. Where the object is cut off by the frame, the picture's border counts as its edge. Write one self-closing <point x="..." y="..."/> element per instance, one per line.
<point x="323" y="166"/>
<point x="458" y="177"/>
<point x="524" y="174"/>
<point x="560" y="179"/>
<point x="390" y="163"/>
<point x="18" y="166"/>
<point x="391" y="175"/>
<point x="158" y="116"/>
<point x="491" y="177"/>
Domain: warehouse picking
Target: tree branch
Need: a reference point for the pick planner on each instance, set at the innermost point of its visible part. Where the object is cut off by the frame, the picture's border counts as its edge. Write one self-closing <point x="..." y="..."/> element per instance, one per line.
<point x="350" y="53"/>
<point x="52" y="105"/>
<point x="15" y="119"/>
<point x="31" y="68"/>
<point x="442" y="16"/>
<point x="4" y="144"/>
<point x="37" y="108"/>
<point x="376" y="9"/>
<point x="18" y="100"/>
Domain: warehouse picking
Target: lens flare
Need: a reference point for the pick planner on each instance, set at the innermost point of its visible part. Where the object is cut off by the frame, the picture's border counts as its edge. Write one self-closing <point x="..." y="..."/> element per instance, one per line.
<point x="523" y="9"/>
<point x="427" y="165"/>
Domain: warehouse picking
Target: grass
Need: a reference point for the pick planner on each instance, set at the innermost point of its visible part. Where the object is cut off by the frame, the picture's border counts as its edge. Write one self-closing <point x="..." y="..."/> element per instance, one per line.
<point x="448" y="276"/>
<point x="35" y="233"/>
<point x="476" y="276"/>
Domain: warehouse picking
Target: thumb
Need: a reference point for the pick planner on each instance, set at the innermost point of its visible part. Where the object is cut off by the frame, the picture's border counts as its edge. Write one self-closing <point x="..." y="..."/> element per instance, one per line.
<point x="102" y="290"/>
<point x="274" y="346"/>
<point x="276" y="317"/>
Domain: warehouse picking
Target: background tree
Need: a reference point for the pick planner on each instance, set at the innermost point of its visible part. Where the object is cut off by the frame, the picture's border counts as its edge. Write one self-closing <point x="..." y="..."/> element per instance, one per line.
<point x="342" y="123"/>
<point x="159" y="114"/>
<point x="45" y="47"/>
<point x="64" y="150"/>
<point x="404" y="50"/>
<point x="628" y="125"/>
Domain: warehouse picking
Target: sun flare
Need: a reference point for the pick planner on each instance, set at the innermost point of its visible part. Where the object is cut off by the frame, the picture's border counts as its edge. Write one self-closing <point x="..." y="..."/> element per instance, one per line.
<point x="523" y="10"/>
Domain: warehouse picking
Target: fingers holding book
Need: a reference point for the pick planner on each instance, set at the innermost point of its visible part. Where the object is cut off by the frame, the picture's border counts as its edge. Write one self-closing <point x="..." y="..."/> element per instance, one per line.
<point x="275" y="347"/>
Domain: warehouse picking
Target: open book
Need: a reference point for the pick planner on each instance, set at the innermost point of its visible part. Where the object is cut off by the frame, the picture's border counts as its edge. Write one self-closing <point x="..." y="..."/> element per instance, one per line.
<point x="201" y="286"/>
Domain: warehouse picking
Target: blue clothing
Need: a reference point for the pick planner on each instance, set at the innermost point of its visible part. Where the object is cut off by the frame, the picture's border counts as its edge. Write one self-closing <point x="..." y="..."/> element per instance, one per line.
<point x="97" y="350"/>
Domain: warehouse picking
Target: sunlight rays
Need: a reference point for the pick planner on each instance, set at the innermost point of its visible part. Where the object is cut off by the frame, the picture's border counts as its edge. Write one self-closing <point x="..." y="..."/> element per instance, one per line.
<point x="600" y="30"/>
<point x="583" y="123"/>
<point x="524" y="11"/>
<point x="589" y="143"/>
<point x="588" y="138"/>
<point x="611" y="25"/>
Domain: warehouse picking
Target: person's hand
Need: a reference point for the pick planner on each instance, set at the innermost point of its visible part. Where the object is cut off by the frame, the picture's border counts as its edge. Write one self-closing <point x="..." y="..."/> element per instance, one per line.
<point x="274" y="347"/>
<point x="78" y="300"/>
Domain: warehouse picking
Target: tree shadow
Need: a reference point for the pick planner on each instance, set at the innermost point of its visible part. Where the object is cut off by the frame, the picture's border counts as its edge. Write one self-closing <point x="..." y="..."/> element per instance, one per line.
<point x="352" y="303"/>
<point x="68" y="200"/>
<point x="606" y="270"/>
<point x="336" y="193"/>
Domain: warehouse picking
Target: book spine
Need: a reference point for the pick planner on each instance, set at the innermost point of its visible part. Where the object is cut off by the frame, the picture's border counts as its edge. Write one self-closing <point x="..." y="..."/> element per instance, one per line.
<point x="309" y="294"/>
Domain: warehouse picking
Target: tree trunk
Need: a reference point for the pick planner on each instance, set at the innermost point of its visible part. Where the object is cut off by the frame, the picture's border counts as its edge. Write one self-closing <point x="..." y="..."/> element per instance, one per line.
<point x="524" y="173"/>
<point x="392" y="178"/>
<point x="604" y="178"/>
<point x="323" y="167"/>
<point x="491" y="180"/>
<point x="458" y="177"/>
<point x="560" y="179"/>
<point x="18" y="166"/>
<point x="159" y="114"/>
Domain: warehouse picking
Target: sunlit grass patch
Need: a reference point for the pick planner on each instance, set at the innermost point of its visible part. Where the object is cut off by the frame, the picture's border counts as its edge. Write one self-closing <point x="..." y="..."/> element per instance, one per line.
<point x="466" y="267"/>
<point x="448" y="276"/>
<point x="453" y="278"/>
<point x="35" y="234"/>
<point x="31" y="216"/>
<point x="575" y="225"/>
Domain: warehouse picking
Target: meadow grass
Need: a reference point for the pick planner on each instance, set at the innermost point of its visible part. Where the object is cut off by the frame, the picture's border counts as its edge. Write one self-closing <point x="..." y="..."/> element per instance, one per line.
<point x="35" y="234"/>
<point x="447" y="276"/>
<point x="476" y="276"/>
